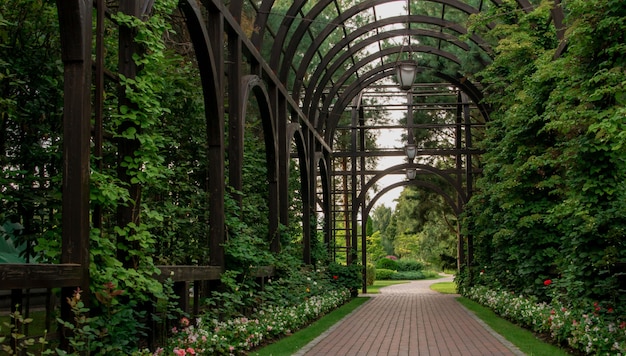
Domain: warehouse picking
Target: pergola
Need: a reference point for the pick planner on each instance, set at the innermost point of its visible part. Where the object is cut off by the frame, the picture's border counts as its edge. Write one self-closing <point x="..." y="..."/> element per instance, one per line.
<point x="308" y="64"/>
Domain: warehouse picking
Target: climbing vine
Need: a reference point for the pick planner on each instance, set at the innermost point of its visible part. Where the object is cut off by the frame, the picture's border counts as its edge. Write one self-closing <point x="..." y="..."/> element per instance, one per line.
<point x="551" y="200"/>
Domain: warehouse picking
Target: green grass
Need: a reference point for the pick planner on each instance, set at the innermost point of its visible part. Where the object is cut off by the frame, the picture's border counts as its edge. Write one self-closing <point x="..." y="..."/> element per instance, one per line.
<point x="444" y="287"/>
<point x="525" y="340"/>
<point x="294" y="342"/>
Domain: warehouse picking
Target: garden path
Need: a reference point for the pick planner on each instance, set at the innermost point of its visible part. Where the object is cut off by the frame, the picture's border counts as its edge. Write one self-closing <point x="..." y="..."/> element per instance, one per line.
<point x="410" y="319"/>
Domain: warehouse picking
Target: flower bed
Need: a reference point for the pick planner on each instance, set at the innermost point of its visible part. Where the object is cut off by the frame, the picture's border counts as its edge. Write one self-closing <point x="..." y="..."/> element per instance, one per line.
<point x="236" y="336"/>
<point x="594" y="329"/>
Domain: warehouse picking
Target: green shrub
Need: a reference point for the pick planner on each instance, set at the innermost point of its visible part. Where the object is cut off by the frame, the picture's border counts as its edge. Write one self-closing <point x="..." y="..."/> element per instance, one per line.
<point x="408" y="275"/>
<point x="386" y="263"/>
<point x="371" y="274"/>
<point x="349" y="276"/>
<point x="384" y="274"/>
<point x="409" y="265"/>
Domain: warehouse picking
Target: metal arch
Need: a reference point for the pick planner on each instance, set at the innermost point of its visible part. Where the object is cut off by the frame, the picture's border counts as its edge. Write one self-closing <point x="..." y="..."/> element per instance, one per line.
<point x="285" y="25"/>
<point x="254" y="84"/>
<point x="346" y="14"/>
<point x="260" y="22"/>
<point x="420" y="183"/>
<point x="384" y="71"/>
<point x="294" y="131"/>
<point x="215" y="125"/>
<point x="420" y="167"/>
<point x="236" y="7"/>
<point x="316" y="96"/>
<point x="365" y="29"/>
<point x="328" y="71"/>
<point x="326" y="195"/>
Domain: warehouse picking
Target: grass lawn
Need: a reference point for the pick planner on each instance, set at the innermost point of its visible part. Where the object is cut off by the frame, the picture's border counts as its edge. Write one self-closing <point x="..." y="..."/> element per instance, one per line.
<point x="444" y="287"/>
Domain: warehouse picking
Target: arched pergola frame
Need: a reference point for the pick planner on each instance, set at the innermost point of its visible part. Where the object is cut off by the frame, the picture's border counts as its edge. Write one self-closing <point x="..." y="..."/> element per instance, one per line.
<point x="232" y="70"/>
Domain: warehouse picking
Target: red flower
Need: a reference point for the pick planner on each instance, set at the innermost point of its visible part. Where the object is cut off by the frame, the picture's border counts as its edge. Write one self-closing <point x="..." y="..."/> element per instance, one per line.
<point x="610" y="310"/>
<point x="335" y="277"/>
<point x="547" y="282"/>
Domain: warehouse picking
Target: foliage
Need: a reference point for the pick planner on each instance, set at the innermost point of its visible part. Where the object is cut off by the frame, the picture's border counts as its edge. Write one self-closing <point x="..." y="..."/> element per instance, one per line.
<point x="239" y="335"/>
<point x="591" y="328"/>
<point x="550" y="203"/>
<point x="381" y="220"/>
<point x="407" y="275"/>
<point x="425" y="227"/>
<point x="375" y="249"/>
<point x="9" y="252"/>
<point x="292" y="343"/>
<point x="370" y="274"/>
<point x="387" y="263"/>
<point x="18" y="342"/>
<point x="31" y="102"/>
<point x="383" y="274"/>
<point x="343" y="276"/>
<point x="406" y="264"/>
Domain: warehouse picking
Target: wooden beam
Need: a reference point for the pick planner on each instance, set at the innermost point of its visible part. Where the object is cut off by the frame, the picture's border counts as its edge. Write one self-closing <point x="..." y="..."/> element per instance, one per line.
<point x="25" y="276"/>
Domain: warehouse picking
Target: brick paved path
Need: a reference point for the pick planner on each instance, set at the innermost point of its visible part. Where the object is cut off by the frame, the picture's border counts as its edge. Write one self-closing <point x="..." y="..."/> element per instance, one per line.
<point x="410" y="319"/>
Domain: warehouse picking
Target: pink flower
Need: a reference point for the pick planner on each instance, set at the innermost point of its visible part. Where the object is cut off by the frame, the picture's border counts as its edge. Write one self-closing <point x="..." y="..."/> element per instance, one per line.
<point x="179" y="352"/>
<point x="191" y="351"/>
<point x="231" y="348"/>
<point x="158" y="352"/>
<point x="547" y="282"/>
<point x="184" y="321"/>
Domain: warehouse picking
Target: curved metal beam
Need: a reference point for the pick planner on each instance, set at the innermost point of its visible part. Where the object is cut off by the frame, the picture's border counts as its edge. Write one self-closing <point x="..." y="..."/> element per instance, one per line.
<point x="345" y="43"/>
<point x="214" y="123"/>
<point x="415" y="182"/>
<point x="314" y="97"/>
<point x="419" y="167"/>
<point x="310" y="17"/>
<point x="387" y="70"/>
<point x="254" y="84"/>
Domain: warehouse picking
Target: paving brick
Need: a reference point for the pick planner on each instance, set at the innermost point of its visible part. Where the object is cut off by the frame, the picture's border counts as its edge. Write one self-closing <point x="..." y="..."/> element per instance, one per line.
<point x="406" y="320"/>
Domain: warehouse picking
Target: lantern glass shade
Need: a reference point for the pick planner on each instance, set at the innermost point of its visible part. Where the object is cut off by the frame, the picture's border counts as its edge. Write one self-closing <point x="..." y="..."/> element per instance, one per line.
<point x="410" y="173"/>
<point x="405" y="73"/>
<point x="411" y="152"/>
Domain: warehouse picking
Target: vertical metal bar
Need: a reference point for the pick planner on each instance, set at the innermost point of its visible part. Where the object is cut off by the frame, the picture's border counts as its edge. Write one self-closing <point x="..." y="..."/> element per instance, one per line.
<point x="279" y="107"/>
<point x="459" y="167"/>
<point x="215" y="131"/>
<point x="99" y="100"/>
<point x="351" y="226"/>
<point x="469" y="176"/>
<point x="235" y="121"/>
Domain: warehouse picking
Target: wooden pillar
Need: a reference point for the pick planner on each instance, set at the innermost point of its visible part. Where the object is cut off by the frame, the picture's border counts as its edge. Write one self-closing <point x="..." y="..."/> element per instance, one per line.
<point x="76" y="36"/>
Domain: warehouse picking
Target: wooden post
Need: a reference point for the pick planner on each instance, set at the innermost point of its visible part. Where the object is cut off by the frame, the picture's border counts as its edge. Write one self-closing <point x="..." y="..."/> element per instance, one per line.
<point x="76" y="36"/>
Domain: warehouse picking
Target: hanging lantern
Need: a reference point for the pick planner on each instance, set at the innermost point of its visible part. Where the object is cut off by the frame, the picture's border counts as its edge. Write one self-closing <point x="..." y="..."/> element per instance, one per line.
<point x="411" y="152"/>
<point x="410" y="173"/>
<point x="405" y="73"/>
